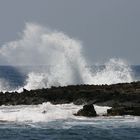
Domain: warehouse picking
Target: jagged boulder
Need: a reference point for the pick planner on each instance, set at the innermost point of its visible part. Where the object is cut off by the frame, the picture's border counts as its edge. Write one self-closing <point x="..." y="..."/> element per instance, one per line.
<point x="87" y="111"/>
<point x="120" y="111"/>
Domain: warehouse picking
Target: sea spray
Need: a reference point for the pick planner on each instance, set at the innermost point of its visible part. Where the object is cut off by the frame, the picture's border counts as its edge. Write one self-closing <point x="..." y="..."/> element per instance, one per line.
<point x="4" y="85"/>
<point x="115" y="71"/>
<point x="41" y="46"/>
<point x="38" y="46"/>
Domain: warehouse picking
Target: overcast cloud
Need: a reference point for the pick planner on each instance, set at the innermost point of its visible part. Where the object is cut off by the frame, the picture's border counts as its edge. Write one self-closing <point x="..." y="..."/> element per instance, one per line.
<point x="107" y="28"/>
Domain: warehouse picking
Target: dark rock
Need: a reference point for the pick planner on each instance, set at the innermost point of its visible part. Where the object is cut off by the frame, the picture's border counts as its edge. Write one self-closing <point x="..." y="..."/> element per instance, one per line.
<point x="87" y="111"/>
<point x="120" y="111"/>
<point x="44" y="112"/>
<point x="79" y="102"/>
<point x="124" y="94"/>
<point x="25" y="90"/>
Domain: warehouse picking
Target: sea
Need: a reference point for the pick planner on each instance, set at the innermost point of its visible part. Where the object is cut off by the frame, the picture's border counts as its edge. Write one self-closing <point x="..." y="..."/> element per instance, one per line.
<point x="41" y="58"/>
<point x="29" y="122"/>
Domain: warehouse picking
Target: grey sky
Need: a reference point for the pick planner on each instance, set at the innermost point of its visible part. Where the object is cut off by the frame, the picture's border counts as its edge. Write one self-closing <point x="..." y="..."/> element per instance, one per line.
<point x="107" y="28"/>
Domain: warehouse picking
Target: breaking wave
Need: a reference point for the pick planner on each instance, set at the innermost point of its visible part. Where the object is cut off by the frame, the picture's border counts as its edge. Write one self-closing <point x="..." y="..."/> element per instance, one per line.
<point x="48" y="112"/>
<point x="45" y="112"/>
<point x="41" y="46"/>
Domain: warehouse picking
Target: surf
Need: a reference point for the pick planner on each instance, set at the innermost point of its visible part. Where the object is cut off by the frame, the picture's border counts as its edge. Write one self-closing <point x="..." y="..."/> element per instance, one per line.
<point x="63" y="57"/>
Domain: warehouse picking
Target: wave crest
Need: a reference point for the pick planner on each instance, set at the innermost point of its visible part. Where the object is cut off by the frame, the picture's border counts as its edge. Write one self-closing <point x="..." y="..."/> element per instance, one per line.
<point x="41" y="46"/>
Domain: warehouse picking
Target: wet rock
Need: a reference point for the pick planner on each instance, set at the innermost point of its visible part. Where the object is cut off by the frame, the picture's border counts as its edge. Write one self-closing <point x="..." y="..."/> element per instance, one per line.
<point x="87" y="111"/>
<point x="44" y="112"/>
<point x="120" y="111"/>
<point x="124" y="94"/>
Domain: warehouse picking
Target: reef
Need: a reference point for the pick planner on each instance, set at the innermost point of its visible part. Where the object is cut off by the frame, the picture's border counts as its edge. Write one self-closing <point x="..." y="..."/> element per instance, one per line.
<point x="87" y="111"/>
<point x="118" y="95"/>
<point x="124" y="110"/>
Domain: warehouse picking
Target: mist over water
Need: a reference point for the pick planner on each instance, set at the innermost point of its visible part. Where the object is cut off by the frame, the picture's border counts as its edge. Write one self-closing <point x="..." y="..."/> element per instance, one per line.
<point x="39" y="46"/>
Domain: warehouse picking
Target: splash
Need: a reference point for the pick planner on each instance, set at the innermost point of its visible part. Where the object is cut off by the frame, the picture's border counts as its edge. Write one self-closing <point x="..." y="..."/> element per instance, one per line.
<point x="45" y="112"/>
<point x="115" y="71"/>
<point x="4" y="85"/>
<point x="41" y="46"/>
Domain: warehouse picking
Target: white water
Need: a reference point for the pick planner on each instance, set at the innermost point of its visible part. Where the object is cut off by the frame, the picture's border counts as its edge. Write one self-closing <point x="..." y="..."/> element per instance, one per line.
<point x="45" y="112"/>
<point x="4" y="85"/>
<point x="41" y="46"/>
<point x="115" y="71"/>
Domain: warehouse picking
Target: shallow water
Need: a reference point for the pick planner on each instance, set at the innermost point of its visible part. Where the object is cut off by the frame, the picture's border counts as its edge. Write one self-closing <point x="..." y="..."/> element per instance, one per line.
<point x="59" y="123"/>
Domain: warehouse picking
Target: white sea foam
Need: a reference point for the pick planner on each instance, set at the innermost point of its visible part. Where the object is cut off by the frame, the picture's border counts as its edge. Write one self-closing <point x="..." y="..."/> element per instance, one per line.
<point x="101" y="110"/>
<point x="45" y="112"/>
<point x="115" y="71"/>
<point x="41" y="46"/>
<point x="4" y="85"/>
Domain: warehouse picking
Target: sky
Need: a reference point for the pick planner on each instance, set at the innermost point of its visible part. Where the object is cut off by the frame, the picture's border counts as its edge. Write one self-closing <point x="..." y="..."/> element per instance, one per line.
<point x="106" y="28"/>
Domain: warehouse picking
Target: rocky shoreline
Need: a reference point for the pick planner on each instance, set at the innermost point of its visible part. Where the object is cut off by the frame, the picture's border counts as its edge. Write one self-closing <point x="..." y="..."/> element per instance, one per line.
<point x="124" y="95"/>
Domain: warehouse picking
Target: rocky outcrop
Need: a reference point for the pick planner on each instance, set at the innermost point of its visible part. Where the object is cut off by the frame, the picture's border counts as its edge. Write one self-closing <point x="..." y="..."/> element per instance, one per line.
<point x="120" y="111"/>
<point x="126" y="94"/>
<point x="87" y="111"/>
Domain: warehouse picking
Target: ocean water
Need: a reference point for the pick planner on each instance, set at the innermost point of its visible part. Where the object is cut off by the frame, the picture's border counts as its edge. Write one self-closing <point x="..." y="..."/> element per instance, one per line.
<point x="58" y="122"/>
<point x="41" y="58"/>
<point x="103" y="129"/>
